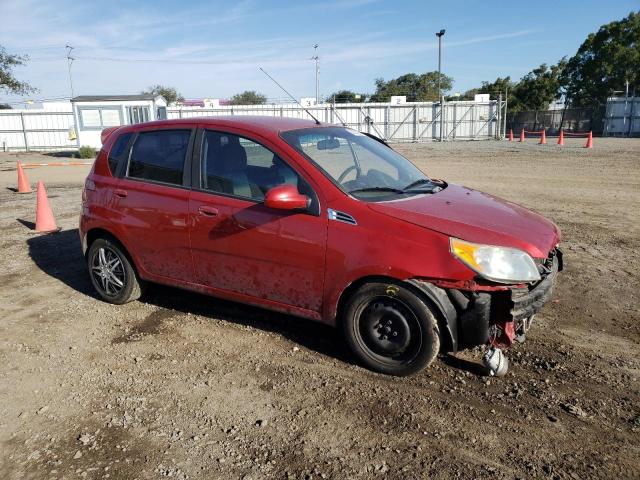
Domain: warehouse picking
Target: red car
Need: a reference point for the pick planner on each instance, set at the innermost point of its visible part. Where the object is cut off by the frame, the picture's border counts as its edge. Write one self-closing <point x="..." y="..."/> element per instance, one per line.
<point x="318" y="221"/>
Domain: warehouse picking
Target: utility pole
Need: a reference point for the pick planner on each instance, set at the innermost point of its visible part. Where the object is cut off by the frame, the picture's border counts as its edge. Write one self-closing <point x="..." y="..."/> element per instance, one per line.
<point x="439" y="35"/>
<point x="70" y="60"/>
<point x="317" y="60"/>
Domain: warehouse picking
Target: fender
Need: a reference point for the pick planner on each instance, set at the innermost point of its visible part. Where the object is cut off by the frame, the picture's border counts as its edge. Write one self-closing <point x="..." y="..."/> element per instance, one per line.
<point x="441" y="300"/>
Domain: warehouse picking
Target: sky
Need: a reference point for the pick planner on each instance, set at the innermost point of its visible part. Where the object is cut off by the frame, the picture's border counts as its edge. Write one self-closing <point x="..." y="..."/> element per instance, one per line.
<point x="213" y="49"/>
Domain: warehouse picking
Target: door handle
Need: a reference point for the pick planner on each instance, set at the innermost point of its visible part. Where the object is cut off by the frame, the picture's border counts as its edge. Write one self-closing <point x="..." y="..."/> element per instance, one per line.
<point x="121" y="193"/>
<point x="207" y="211"/>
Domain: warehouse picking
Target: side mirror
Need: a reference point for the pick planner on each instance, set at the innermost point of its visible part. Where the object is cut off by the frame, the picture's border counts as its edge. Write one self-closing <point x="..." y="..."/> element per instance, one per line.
<point x="286" y="197"/>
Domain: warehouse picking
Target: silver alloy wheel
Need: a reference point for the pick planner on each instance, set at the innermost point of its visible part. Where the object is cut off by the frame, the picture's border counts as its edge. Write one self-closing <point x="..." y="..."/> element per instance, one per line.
<point x="108" y="271"/>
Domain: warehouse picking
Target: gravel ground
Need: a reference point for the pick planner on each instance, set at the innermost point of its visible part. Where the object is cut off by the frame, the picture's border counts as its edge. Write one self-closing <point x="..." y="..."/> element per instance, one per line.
<point x="184" y="386"/>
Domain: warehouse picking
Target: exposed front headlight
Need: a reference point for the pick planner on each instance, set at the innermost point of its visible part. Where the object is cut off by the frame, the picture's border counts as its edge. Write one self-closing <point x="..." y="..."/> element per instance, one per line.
<point x="499" y="264"/>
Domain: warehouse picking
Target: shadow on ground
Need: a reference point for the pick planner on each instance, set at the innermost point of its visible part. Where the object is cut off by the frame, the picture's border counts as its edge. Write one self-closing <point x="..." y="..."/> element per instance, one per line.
<point x="63" y="154"/>
<point x="59" y="255"/>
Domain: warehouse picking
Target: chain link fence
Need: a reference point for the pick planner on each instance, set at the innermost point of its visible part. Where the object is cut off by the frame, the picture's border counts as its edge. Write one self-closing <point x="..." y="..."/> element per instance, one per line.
<point x="578" y="120"/>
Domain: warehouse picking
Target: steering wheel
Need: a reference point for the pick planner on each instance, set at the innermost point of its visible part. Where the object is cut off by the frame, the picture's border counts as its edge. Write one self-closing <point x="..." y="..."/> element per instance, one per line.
<point x="346" y="172"/>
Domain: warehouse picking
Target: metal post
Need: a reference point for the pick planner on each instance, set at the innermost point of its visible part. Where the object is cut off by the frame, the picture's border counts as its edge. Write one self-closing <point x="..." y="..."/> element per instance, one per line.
<point x="498" y="133"/>
<point x="442" y="114"/>
<point x="70" y="60"/>
<point x="317" y="60"/>
<point x="439" y="35"/>
<point x="415" y="123"/>
<point x="506" y="103"/>
<point x="387" y="119"/>
<point x="24" y="132"/>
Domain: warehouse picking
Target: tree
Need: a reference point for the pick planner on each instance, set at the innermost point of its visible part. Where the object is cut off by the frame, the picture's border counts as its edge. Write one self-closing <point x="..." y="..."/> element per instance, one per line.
<point x="494" y="89"/>
<point x="417" y="88"/>
<point x="248" y="97"/>
<point x="8" y="83"/>
<point x="170" y="94"/>
<point x="535" y="91"/>
<point x="604" y="62"/>
<point x="538" y="88"/>
<point x="346" y="96"/>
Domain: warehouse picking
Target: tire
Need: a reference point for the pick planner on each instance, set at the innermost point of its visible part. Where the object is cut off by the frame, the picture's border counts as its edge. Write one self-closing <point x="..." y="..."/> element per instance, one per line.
<point x="390" y="329"/>
<point x="118" y="268"/>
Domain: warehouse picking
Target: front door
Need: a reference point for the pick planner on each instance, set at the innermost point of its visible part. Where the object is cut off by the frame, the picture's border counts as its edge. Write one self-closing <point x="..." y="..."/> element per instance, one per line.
<point x="153" y="202"/>
<point x="238" y="244"/>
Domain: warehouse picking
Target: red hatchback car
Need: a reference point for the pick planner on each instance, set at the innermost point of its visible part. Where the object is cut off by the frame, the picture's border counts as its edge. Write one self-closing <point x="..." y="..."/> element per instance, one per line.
<point x="318" y="221"/>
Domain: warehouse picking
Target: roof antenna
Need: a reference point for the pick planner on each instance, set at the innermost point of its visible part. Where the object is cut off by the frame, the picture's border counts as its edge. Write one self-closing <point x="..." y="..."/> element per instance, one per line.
<point x="292" y="97"/>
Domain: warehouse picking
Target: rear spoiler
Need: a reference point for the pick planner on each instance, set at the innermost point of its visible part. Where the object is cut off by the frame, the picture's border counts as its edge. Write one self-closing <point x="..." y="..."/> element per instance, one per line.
<point x="106" y="133"/>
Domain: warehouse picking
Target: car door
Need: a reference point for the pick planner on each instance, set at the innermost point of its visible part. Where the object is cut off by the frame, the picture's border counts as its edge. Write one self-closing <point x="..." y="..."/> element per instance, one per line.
<point x="238" y="244"/>
<point x="153" y="203"/>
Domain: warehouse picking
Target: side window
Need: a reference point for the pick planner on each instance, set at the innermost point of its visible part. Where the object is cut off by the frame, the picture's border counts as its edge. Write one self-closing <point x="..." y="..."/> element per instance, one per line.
<point x="119" y="152"/>
<point x="159" y="156"/>
<point x="235" y="165"/>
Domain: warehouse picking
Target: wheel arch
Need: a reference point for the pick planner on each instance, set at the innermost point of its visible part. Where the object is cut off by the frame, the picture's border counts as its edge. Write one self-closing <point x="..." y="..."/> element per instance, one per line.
<point x="433" y="296"/>
<point x="97" y="232"/>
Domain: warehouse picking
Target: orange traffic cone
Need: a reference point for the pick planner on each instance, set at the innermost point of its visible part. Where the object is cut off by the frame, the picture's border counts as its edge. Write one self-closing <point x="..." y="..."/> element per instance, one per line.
<point x="511" y="134"/>
<point x="23" y="183"/>
<point x="543" y="138"/>
<point x="561" y="137"/>
<point x="522" y="135"/>
<point x="45" y="223"/>
<point x="589" y="140"/>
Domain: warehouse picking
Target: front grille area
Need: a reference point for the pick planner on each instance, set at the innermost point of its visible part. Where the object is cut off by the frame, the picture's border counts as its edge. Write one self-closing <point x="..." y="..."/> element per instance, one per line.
<point x="527" y="301"/>
<point x="546" y="266"/>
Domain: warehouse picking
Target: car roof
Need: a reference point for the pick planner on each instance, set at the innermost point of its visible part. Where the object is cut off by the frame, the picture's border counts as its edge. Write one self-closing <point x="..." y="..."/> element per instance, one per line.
<point x="264" y="123"/>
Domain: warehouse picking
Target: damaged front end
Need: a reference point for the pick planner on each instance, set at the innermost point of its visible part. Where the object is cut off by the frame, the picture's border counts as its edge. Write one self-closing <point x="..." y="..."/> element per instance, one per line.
<point x="491" y="314"/>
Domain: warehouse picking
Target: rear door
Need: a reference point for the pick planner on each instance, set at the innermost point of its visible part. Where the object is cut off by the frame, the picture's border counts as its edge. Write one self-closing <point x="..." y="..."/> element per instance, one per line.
<point x="239" y="245"/>
<point x="153" y="202"/>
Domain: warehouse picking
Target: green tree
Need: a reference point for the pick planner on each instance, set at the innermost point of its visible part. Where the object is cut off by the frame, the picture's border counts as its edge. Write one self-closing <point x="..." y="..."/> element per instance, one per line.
<point x="346" y="96"/>
<point x="604" y="62"/>
<point x="501" y="85"/>
<point x="170" y="94"/>
<point x="8" y="83"/>
<point x="535" y="91"/>
<point x="538" y="88"/>
<point x="248" y="97"/>
<point x="417" y="88"/>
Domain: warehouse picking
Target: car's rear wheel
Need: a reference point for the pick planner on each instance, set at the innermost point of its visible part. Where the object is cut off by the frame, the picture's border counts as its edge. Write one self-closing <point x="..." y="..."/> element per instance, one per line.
<point x="391" y="329"/>
<point x="112" y="273"/>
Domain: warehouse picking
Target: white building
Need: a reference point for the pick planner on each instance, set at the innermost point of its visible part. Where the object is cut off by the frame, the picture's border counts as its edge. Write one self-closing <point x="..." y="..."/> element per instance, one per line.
<point x="94" y="113"/>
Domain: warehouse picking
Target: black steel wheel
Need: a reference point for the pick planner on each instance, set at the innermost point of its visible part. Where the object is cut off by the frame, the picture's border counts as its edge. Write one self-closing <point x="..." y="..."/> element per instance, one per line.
<point x="391" y="329"/>
<point x="112" y="273"/>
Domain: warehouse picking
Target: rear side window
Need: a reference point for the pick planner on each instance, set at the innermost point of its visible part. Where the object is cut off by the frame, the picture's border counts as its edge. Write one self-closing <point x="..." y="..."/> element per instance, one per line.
<point x="119" y="152"/>
<point x="159" y="156"/>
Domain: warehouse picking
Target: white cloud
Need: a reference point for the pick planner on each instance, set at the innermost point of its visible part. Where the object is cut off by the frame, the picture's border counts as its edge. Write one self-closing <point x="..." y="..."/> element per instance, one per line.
<point x="135" y="48"/>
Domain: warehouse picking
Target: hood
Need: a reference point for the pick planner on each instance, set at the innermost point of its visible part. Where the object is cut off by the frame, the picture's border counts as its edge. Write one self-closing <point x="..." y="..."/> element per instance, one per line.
<point x="478" y="217"/>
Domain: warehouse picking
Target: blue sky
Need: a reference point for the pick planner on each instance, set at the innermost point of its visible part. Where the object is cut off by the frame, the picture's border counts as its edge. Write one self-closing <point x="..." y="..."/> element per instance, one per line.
<point x="214" y="48"/>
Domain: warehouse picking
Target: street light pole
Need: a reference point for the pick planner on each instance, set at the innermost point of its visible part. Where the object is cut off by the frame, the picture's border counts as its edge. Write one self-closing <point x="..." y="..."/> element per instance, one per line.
<point x="317" y="60"/>
<point x="70" y="60"/>
<point x="439" y="35"/>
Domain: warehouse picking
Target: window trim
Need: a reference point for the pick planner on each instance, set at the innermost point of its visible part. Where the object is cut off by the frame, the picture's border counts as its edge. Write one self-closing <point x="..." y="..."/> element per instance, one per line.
<point x="125" y="161"/>
<point x="99" y="108"/>
<point x="326" y="174"/>
<point x="186" y="172"/>
<point x="196" y="169"/>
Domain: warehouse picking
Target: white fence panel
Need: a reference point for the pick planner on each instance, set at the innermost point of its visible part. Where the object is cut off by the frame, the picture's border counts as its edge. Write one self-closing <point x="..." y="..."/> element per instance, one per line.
<point x="35" y="130"/>
<point x="622" y="117"/>
<point x="408" y="122"/>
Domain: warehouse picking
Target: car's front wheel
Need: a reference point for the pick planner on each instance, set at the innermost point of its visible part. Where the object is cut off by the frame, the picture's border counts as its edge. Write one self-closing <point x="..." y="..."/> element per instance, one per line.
<point x="112" y="273"/>
<point x="391" y="329"/>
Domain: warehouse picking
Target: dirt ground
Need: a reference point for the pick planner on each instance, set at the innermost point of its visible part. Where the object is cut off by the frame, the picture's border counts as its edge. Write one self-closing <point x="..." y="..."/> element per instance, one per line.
<point x="185" y="386"/>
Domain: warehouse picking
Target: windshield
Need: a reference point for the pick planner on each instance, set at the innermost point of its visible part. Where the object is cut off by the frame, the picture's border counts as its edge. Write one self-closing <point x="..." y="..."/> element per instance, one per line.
<point x="360" y="165"/>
